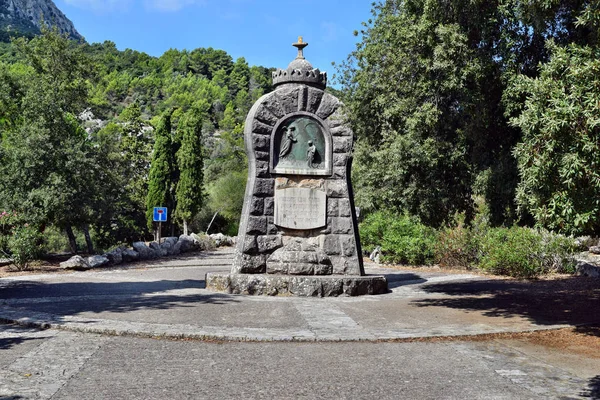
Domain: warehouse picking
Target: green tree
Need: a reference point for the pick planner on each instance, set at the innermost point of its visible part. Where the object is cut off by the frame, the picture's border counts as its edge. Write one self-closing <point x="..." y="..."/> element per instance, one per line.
<point x="189" y="161"/>
<point x="559" y="156"/>
<point x="47" y="164"/>
<point x="162" y="168"/>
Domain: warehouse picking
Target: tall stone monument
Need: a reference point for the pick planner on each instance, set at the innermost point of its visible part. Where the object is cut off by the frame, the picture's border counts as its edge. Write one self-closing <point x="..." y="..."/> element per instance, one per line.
<point x="298" y="233"/>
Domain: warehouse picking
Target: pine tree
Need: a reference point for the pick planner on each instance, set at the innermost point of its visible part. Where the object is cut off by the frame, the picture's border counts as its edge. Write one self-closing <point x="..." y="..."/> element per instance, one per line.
<point x="189" y="160"/>
<point x="162" y="166"/>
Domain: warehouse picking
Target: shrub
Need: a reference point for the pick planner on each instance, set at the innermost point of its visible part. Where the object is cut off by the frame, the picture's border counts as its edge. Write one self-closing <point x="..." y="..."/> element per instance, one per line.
<point x="525" y="252"/>
<point x="403" y="239"/>
<point x="456" y="247"/>
<point x="25" y="245"/>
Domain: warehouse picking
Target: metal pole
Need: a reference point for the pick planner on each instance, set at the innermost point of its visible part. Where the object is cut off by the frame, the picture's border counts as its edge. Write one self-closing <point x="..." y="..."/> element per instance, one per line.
<point x="159" y="229"/>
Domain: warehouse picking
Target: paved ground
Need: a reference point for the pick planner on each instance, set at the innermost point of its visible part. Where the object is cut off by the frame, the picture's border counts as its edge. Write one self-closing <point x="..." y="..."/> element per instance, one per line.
<point x="135" y="333"/>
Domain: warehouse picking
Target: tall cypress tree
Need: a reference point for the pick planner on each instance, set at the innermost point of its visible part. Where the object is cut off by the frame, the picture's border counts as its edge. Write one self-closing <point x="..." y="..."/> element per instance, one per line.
<point x="189" y="160"/>
<point x="160" y="182"/>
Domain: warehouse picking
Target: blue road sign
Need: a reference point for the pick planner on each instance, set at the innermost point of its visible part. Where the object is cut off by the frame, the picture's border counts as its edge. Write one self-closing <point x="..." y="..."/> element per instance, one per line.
<point x="160" y="214"/>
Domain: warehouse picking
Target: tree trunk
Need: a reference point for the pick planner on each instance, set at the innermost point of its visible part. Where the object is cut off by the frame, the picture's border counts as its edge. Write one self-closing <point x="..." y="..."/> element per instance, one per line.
<point x="72" y="241"/>
<point x="185" y="228"/>
<point x="88" y="239"/>
<point x="211" y="221"/>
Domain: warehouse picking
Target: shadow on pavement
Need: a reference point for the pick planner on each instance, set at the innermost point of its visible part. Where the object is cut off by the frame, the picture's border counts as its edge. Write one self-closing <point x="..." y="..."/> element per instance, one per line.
<point x="593" y="389"/>
<point x="7" y="343"/>
<point x="96" y="297"/>
<point x="572" y="301"/>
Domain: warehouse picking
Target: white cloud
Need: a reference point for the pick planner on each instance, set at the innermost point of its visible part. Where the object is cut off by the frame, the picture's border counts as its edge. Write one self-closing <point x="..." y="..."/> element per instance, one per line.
<point x="100" y="5"/>
<point x="170" y="5"/>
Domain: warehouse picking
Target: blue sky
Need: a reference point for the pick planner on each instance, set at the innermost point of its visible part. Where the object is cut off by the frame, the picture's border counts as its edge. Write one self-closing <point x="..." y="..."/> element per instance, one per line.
<point x="262" y="31"/>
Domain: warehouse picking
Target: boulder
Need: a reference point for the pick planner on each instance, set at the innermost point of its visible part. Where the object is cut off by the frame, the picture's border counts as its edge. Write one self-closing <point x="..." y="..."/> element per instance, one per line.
<point x="187" y="243"/>
<point x="158" y="249"/>
<point x="145" y="252"/>
<point x="221" y="240"/>
<point x="130" y="255"/>
<point x="75" y="262"/>
<point x="594" y="249"/>
<point x="169" y="245"/>
<point x="97" y="261"/>
<point x="115" y="256"/>
<point x="584" y="268"/>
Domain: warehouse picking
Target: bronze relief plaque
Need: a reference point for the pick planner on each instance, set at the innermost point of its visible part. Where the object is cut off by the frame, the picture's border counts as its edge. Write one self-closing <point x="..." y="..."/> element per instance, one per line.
<point x="301" y="147"/>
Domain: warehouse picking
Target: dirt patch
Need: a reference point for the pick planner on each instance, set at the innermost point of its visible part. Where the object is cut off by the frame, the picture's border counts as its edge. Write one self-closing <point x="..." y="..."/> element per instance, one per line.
<point x="39" y="267"/>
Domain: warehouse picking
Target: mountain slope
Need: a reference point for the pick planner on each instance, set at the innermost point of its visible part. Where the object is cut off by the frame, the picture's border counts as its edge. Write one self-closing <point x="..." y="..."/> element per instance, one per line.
<point x="24" y="17"/>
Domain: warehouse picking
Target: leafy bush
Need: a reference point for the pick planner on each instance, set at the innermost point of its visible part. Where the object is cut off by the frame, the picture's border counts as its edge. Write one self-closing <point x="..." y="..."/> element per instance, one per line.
<point x="403" y="239"/>
<point x="456" y="247"/>
<point x="25" y="245"/>
<point x="525" y="253"/>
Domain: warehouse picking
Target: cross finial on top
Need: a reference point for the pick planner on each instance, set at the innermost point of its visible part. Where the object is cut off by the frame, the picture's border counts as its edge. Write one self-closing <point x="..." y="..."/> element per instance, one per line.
<point x="300" y="45"/>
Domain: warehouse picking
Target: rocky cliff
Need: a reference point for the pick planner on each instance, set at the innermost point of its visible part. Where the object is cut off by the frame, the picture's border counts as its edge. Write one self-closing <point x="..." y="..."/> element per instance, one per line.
<point x="24" y="16"/>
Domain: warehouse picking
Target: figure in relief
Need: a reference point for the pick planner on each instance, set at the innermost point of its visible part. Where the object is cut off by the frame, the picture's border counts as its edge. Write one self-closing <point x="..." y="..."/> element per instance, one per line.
<point x="290" y="139"/>
<point x="310" y="154"/>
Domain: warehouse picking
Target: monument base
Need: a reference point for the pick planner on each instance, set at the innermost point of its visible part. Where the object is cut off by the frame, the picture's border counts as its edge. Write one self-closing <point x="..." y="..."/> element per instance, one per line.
<point x="296" y="285"/>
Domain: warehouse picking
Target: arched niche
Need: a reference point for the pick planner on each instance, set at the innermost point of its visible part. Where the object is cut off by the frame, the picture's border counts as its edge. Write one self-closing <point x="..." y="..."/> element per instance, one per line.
<point x="301" y="145"/>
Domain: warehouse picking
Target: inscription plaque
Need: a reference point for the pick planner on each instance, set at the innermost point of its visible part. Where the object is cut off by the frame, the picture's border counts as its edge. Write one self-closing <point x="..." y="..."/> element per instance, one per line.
<point x="300" y="208"/>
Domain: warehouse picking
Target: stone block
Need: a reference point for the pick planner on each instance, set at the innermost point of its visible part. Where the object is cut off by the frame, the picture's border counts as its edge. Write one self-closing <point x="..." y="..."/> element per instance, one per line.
<point x="329" y="104"/>
<point x="340" y="160"/>
<point x="301" y="269"/>
<point x="131" y="255"/>
<point x="337" y="188"/>
<point x="323" y="269"/>
<point x="269" y="206"/>
<point x="261" y="128"/>
<point x="250" y="245"/>
<point x="342" y="145"/>
<point x="313" y="100"/>
<point x="340" y="130"/>
<point x="332" y="208"/>
<point x="272" y="104"/>
<point x="263" y="187"/>
<point x="262" y="155"/>
<point x="257" y="225"/>
<point x="277" y="268"/>
<point x="344" y="207"/>
<point x="257" y="205"/>
<point x="265" y="115"/>
<point x="348" y="245"/>
<point x="268" y="243"/>
<point x="288" y="98"/>
<point x="342" y="225"/>
<point x="331" y="245"/>
<point x="306" y="287"/>
<point x="339" y="173"/>
<point x="332" y="287"/>
<point x="262" y="169"/>
<point x="252" y="264"/>
<point x="261" y="142"/>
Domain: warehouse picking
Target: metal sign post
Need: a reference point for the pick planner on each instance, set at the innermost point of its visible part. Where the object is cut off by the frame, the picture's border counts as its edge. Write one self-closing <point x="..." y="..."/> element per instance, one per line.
<point x="160" y="216"/>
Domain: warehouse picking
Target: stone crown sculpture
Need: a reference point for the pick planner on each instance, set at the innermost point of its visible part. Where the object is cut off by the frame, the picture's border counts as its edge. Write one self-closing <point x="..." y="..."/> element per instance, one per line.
<point x="300" y="71"/>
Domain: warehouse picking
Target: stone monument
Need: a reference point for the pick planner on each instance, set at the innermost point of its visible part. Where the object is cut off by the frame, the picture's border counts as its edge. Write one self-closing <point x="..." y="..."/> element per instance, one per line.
<point x="298" y="233"/>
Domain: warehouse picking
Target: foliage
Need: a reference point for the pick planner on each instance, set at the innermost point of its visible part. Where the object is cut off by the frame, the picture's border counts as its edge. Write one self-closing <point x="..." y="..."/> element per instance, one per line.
<point x="403" y="240"/>
<point x="426" y="90"/>
<point x="25" y="245"/>
<point x="162" y="169"/>
<point x="559" y="156"/>
<point x="524" y="252"/>
<point x="189" y="161"/>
